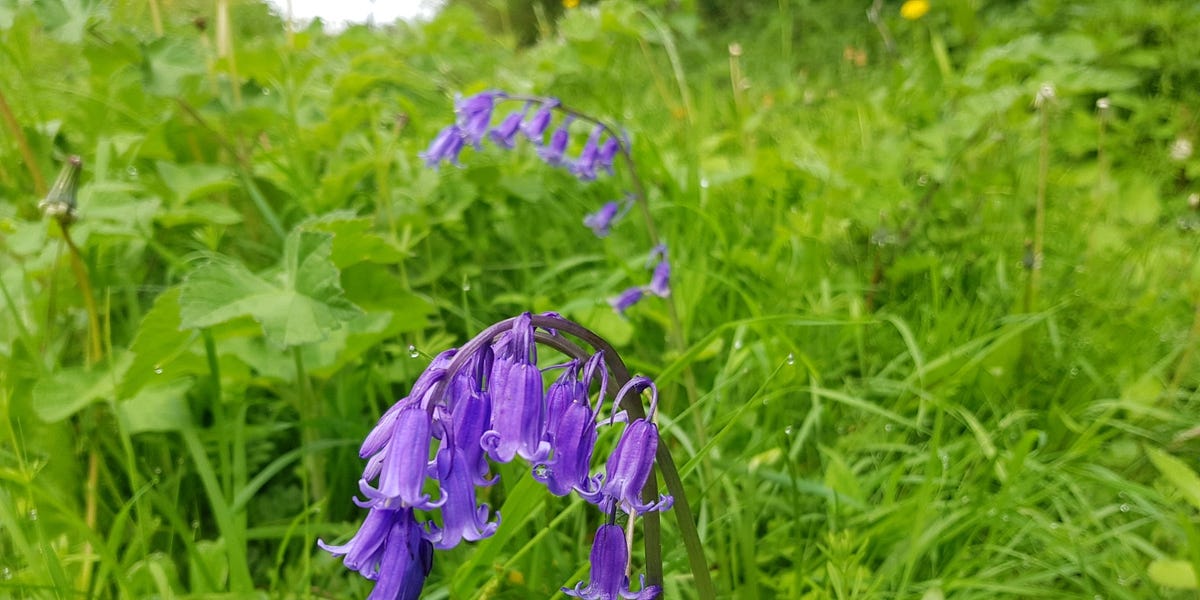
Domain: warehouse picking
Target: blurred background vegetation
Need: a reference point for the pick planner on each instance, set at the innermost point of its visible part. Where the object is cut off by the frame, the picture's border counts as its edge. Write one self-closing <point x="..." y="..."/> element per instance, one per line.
<point x="884" y="389"/>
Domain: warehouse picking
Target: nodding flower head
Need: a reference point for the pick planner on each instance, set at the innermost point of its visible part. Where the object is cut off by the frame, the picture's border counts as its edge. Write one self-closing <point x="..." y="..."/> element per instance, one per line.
<point x="474" y="114"/>
<point x="445" y="147"/>
<point x="627" y="298"/>
<point x="601" y="221"/>
<point x="610" y="559"/>
<point x="660" y="282"/>
<point x="505" y="134"/>
<point x="571" y="430"/>
<point x="535" y="127"/>
<point x="486" y="400"/>
<point x="584" y="167"/>
<point x="630" y="464"/>
<point x="518" y="406"/>
<point x="389" y="548"/>
<point x="554" y="153"/>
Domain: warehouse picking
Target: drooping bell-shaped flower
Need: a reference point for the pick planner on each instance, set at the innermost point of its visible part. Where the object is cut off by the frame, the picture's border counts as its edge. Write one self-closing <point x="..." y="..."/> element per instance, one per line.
<point x="610" y="559"/>
<point x="518" y="404"/>
<point x="445" y="147"/>
<point x="470" y="409"/>
<point x="584" y="167"/>
<point x="554" y="152"/>
<point x="403" y="471"/>
<point x="626" y="299"/>
<point x="461" y="518"/>
<point x="505" y="134"/>
<point x="601" y="221"/>
<point x="608" y="151"/>
<point x="474" y="114"/>
<point x="382" y="432"/>
<point x="535" y="127"/>
<point x="571" y="430"/>
<point x="630" y="464"/>
<point x="660" y="282"/>
<point x="388" y="548"/>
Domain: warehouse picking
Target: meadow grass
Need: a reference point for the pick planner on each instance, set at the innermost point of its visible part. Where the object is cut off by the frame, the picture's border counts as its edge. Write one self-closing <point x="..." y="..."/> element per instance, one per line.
<point x="886" y="379"/>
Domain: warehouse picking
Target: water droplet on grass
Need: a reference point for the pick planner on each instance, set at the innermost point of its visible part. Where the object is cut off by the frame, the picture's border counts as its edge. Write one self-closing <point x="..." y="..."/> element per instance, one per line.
<point x="791" y="358"/>
<point x="466" y="287"/>
<point x="704" y="183"/>
<point x="158" y="370"/>
<point x="888" y="428"/>
<point x="412" y="351"/>
<point x="787" y="430"/>
<point x="33" y="516"/>
<point x="737" y="344"/>
<point x="132" y="172"/>
<point x="1125" y="508"/>
<point x="6" y="573"/>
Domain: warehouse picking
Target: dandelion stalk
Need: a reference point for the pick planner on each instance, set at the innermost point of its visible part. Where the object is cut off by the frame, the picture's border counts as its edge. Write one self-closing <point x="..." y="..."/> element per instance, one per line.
<point x="1042" y="101"/>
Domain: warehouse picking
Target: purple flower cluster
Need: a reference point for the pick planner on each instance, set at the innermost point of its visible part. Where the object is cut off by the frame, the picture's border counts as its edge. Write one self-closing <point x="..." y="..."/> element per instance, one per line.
<point x="474" y="117"/>
<point x="660" y="282"/>
<point x="487" y="402"/>
<point x="474" y="123"/>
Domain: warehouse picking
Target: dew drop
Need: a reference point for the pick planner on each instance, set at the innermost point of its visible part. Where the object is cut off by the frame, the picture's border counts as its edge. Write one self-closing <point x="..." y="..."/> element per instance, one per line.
<point x="1004" y="518"/>
<point x="1097" y="597"/>
<point x="965" y="499"/>
<point x="923" y="180"/>
<point x="132" y="172"/>
<point x="787" y="430"/>
<point x="791" y="358"/>
<point x="1054" y="526"/>
<point x="1125" y="508"/>
<point x="737" y="344"/>
<point x="157" y="471"/>
<point x="412" y="351"/>
<point x="6" y="573"/>
<point x="1074" y="371"/>
<point x="466" y="287"/>
<point x="195" y="524"/>
<point x="33" y="516"/>
<point x="158" y="370"/>
<point x="704" y="183"/>
<point x="266" y="91"/>
<point x="888" y="428"/>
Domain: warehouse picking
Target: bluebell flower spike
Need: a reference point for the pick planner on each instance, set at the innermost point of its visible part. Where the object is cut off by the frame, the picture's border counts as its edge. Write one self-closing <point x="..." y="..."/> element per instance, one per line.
<point x="610" y="559"/>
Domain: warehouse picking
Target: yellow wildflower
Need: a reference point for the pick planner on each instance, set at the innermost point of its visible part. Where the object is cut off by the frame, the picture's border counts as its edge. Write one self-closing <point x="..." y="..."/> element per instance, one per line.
<point x="570" y="3"/>
<point x="914" y="9"/>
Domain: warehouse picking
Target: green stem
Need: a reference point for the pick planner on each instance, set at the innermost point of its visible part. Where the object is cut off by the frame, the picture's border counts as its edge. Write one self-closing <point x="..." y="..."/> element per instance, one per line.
<point x="309" y="411"/>
<point x="14" y="129"/>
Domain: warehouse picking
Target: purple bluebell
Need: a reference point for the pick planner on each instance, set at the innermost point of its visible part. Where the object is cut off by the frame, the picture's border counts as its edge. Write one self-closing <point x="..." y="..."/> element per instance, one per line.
<point x="474" y="115"/>
<point x="585" y="165"/>
<point x="554" y="153"/>
<point x="571" y="430"/>
<point x="660" y="282"/>
<point x="627" y="298"/>
<point x="461" y="518"/>
<point x="389" y="548"/>
<point x="610" y="558"/>
<point x="630" y="464"/>
<point x="470" y="409"/>
<point x="402" y="475"/>
<point x="601" y="221"/>
<point x="505" y="134"/>
<point x="608" y="151"/>
<point x="518" y="404"/>
<point x="535" y="127"/>
<point x="445" y="147"/>
<point x="382" y="432"/>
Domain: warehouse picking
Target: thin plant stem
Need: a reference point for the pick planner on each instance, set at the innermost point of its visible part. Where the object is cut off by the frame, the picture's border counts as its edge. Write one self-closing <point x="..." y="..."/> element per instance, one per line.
<point x="308" y="408"/>
<point x="156" y="18"/>
<point x="1039" y="217"/>
<point x="14" y="129"/>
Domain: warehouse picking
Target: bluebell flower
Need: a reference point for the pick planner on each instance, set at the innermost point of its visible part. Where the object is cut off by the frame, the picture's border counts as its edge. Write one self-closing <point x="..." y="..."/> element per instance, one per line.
<point x="608" y="151"/>
<point x="389" y="548"/>
<point x="405" y="456"/>
<point x="554" y="153"/>
<point x="584" y="167"/>
<point x="518" y="404"/>
<point x="571" y="430"/>
<point x="470" y="409"/>
<point x="474" y="114"/>
<point x="660" y="282"/>
<point x="610" y="559"/>
<point x="505" y="134"/>
<point x="461" y="518"/>
<point x="601" y="221"/>
<point x="535" y="127"/>
<point x="630" y="464"/>
<point x="445" y="147"/>
<point x="626" y="299"/>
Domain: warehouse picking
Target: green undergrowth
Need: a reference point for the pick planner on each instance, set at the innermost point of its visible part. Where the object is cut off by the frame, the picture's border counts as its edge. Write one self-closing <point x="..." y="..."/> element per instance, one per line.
<point x="883" y="391"/>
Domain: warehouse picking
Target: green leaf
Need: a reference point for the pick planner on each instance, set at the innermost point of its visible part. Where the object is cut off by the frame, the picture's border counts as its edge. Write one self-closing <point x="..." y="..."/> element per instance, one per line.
<point x="354" y="241"/>
<point x="171" y="66"/>
<point x="158" y="345"/>
<point x="1178" y="473"/>
<point x="300" y="309"/>
<point x="69" y="391"/>
<point x="1178" y="574"/>
<point x="160" y="407"/>
<point x="195" y="180"/>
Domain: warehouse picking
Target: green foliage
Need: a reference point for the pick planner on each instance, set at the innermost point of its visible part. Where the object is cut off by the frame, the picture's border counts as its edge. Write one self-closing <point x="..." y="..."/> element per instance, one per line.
<point x="867" y="400"/>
